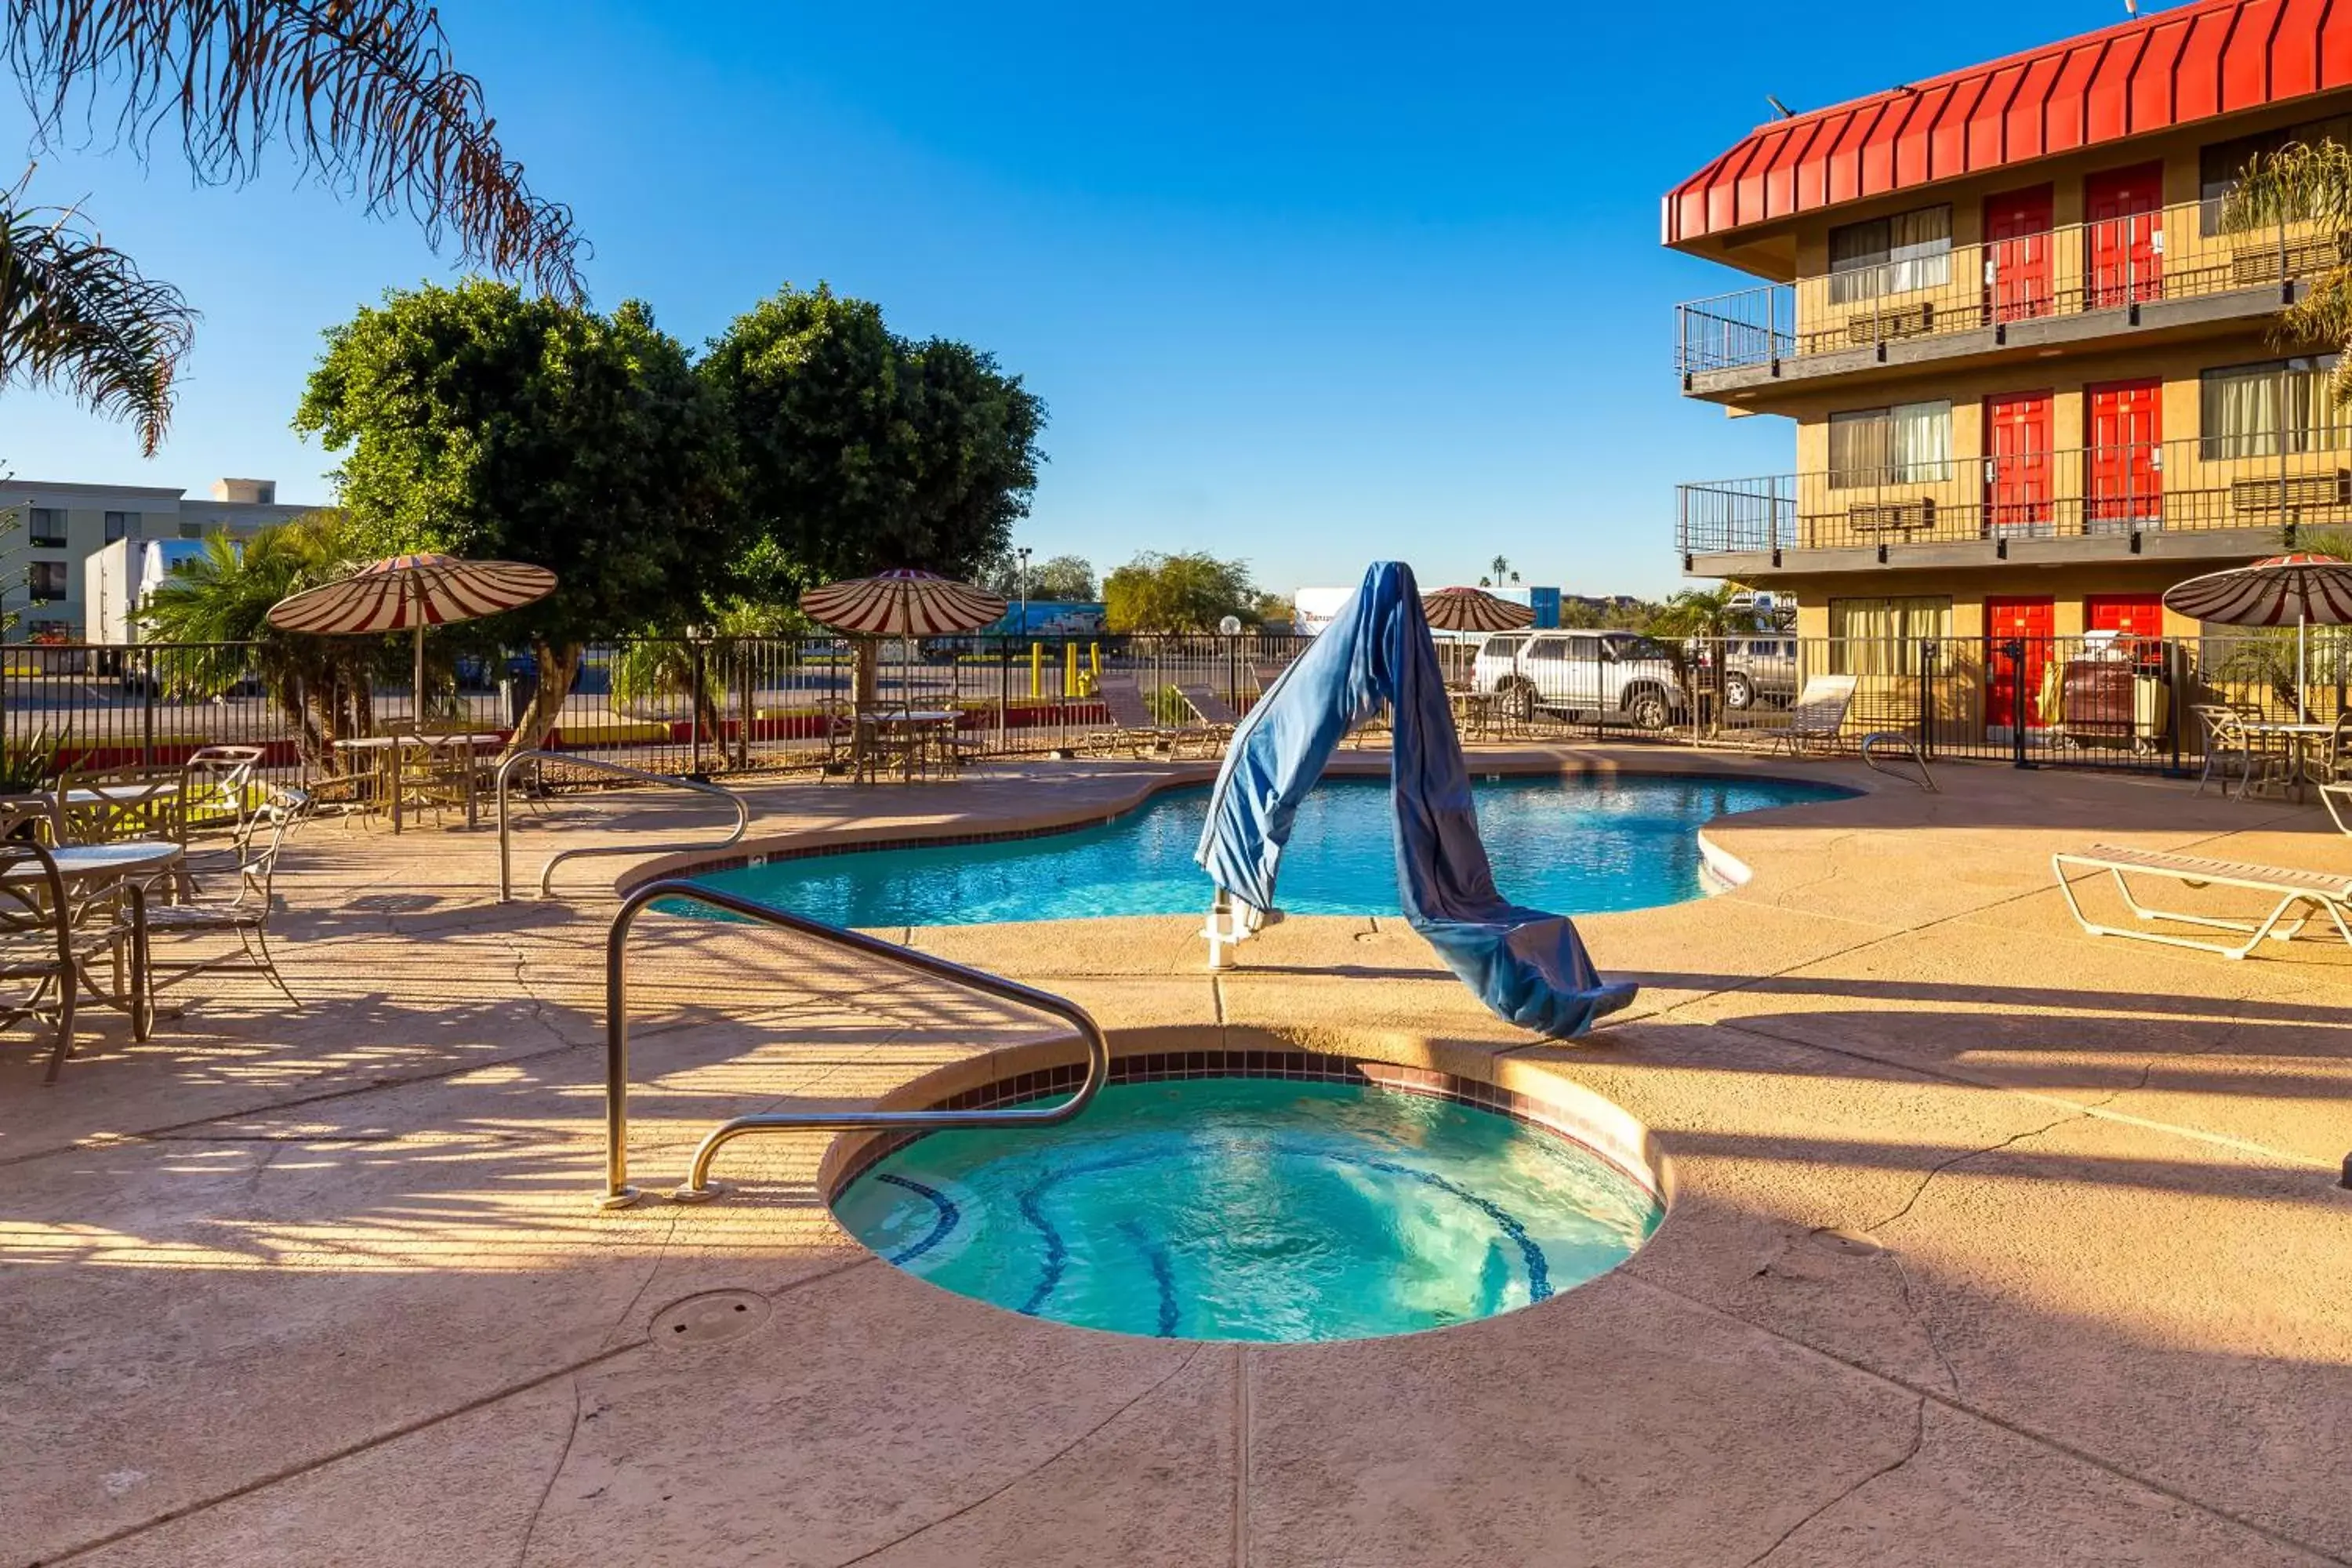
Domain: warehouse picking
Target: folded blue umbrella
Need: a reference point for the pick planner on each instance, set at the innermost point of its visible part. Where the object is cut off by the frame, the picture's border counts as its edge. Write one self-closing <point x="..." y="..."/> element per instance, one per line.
<point x="1530" y="967"/>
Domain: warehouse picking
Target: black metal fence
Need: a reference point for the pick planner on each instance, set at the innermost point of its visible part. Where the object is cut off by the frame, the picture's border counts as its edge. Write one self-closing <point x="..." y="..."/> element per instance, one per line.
<point x="729" y="705"/>
<point x="749" y="706"/>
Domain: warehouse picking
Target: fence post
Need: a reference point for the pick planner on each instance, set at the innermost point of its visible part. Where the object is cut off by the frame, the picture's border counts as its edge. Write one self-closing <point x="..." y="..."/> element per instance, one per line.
<point x="1926" y="697"/>
<point x="2176" y="673"/>
<point x="694" y="717"/>
<point x="2015" y="650"/>
<point x="147" y="708"/>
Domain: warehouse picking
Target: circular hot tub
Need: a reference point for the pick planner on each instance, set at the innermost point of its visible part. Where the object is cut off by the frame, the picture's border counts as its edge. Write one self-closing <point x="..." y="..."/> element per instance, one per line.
<point x="1307" y="1206"/>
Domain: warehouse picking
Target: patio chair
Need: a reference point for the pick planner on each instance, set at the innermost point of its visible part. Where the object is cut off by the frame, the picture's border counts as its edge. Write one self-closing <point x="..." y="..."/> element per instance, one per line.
<point x="1815" y="719"/>
<point x="2336" y="762"/>
<point x="217" y="783"/>
<point x="130" y="802"/>
<point x="240" y="909"/>
<point x="48" y="941"/>
<point x="37" y="946"/>
<point x="2315" y="894"/>
<point x="33" y="818"/>
<point x="2231" y="749"/>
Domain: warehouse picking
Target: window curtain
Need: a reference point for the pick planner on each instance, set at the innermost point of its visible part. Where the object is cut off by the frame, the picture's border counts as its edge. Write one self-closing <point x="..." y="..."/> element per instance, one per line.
<point x="2248" y="408"/>
<point x="1920" y="450"/>
<point x="1910" y="444"/>
<point x="1882" y="637"/>
<point x="1920" y="249"/>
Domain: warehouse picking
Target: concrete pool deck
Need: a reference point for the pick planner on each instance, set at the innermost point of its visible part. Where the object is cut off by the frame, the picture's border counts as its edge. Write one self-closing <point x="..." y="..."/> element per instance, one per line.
<point x="1991" y="1242"/>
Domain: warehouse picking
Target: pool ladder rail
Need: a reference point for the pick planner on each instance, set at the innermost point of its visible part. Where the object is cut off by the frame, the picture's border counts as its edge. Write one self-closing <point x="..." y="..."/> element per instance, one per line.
<point x="619" y="770"/>
<point x="617" y="1192"/>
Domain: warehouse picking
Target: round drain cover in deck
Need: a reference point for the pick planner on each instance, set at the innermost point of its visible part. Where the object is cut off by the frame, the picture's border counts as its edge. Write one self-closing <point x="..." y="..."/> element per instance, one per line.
<point x="709" y="1318"/>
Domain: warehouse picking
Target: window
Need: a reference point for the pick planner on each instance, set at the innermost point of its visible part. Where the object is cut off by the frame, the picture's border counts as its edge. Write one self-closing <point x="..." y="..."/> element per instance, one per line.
<point x="1501" y="647"/>
<point x="2223" y="164"/>
<point x="1909" y="444"/>
<point x="191" y="531"/>
<point x="48" y="526"/>
<point x="48" y="579"/>
<point x="1891" y="254"/>
<point x="1882" y="637"/>
<point x="1552" y="649"/>
<point x="121" y="525"/>
<point x="2261" y="410"/>
<point x="1631" y="647"/>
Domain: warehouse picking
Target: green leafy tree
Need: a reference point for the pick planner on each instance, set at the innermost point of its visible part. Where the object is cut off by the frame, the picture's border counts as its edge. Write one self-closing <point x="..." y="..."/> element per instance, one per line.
<point x="360" y="92"/>
<point x="862" y="450"/>
<point x="1061" y="577"/>
<point x="1700" y="615"/>
<point x="480" y="422"/>
<point x="2305" y="183"/>
<point x="1189" y="593"/>
<point x="220" y="600"/>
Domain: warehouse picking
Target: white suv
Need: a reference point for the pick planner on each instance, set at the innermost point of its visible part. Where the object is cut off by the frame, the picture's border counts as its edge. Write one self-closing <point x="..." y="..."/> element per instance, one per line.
<point x="1584" y="678"/>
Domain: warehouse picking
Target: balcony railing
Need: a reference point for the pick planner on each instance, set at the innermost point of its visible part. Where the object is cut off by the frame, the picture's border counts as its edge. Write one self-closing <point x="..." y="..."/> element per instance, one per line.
<point x="2215" y="482"/>
<point x="2175" y="253"/>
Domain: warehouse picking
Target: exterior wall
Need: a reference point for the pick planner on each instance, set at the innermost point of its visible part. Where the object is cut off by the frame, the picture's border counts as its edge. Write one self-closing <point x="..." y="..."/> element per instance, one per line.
<point x="161" y="513"/>
<point x="2066" y="586"/>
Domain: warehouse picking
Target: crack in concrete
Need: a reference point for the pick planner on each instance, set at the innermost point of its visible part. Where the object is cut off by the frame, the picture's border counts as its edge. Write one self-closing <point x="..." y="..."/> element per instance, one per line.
<point x="1635" y="1273"/>
<point x="1910" y="1452"/>
<point x="571" y="1436"/>
<point x="1047" y="1463"/>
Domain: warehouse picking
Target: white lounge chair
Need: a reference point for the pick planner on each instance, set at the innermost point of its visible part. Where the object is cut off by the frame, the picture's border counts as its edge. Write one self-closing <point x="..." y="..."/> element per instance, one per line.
<point x="1816" y="716"/>
<point x="2316" y="893"/>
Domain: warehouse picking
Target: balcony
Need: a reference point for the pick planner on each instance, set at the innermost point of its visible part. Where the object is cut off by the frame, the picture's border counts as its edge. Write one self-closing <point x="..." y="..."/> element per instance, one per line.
<point x="2214" y="496"/>
<point x="2168" y="268"/>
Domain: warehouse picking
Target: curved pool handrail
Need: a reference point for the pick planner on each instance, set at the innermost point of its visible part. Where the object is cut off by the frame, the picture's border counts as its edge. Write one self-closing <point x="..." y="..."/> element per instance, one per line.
<point x="1905" y="749"/>
<point x="622" y="770"/>
<point x="617" y="1191"/>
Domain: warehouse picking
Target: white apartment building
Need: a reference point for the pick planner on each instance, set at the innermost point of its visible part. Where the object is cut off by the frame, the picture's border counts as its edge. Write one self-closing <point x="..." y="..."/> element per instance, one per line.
<point x="49" y="530"/>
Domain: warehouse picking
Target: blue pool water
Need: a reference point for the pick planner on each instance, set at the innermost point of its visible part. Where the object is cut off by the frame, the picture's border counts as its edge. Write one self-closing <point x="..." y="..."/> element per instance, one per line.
<point x="1567" y="845"/>
<point x="1230" y="1208"/>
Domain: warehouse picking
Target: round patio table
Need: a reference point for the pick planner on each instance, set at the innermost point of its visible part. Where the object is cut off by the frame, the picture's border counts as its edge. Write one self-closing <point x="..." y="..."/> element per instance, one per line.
<point x="384" y="752"/>
<point x="92" y="869"/>
<point x="2298" y="734"/>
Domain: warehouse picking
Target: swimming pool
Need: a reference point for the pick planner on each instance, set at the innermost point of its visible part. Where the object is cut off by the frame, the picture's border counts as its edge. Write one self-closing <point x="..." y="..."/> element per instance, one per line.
<point x="1569" y="844"/>
<point x="1256" y="1209"/>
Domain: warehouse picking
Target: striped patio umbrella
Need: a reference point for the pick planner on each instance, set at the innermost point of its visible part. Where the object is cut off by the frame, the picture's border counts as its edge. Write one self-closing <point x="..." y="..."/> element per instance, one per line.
<point x="408" y="594"/>
<point x="902" y="603"/>
<point x="2301" y="590"/>
<point x="1473" y="610"/>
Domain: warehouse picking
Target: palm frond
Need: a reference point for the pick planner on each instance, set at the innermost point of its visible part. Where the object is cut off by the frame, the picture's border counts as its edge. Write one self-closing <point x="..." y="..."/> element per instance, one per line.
<point x="2300" y="182"/>
<point x="77" y="314"/>
<point x="361" y="90"/>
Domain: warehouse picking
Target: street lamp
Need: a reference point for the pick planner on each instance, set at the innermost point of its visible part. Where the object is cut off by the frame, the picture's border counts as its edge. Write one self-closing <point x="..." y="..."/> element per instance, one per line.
<point x="1023" y="553"/>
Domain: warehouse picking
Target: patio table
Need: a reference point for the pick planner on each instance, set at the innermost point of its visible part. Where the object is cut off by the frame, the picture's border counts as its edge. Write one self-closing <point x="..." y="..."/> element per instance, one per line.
<point x="110" y="803"/>
<point x="2298" y="734"/>
<point x="915" y="730"/>
<point x="94" y="870"/>
<point x="384" y="753"/>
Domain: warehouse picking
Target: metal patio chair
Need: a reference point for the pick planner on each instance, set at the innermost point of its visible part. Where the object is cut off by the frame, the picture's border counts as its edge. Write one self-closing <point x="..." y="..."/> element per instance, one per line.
<point x="240" y="909"/>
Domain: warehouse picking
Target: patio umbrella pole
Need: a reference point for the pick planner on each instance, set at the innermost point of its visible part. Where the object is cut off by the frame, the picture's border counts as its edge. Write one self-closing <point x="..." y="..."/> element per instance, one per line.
<point x="416" y="692"/>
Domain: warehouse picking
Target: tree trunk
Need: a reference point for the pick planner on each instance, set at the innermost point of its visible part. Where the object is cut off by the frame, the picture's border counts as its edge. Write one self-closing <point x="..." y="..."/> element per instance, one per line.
<point x="558" y="669"/>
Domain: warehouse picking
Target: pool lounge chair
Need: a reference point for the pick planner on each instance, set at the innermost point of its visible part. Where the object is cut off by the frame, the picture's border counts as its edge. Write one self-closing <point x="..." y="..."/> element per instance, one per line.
<point x="1815" y="719"/>
<point x="2313" y="893"/>
<point x="1208" y="707"/>
<point x="1133" y="730"/>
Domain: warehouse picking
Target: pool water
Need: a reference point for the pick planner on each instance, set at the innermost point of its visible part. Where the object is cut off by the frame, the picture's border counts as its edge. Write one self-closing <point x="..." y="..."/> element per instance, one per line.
<point x="1258" y="1209"/>
<point x="1569" y="846"/>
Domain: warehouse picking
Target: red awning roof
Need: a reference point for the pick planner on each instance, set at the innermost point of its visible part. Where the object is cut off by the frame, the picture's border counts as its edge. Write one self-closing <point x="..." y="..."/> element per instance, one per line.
<point x="2195" y="62"/>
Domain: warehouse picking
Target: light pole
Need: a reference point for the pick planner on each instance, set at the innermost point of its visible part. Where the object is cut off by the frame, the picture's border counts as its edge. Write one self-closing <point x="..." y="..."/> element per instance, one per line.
<point x="1023" y="553"/>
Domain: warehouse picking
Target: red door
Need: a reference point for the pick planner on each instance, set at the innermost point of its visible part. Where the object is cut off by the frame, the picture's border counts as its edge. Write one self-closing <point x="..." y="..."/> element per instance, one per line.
<point x="2017" y="253"/>
<point x="2125" y="485"/>
<point x="2126" y="209"/>
<point x="2015" y="620"/>
<point x="2139" y="617"/>
<point x="2017" y="464"/>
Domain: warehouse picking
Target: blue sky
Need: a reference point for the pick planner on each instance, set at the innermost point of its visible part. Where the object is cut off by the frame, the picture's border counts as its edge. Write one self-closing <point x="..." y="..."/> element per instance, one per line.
<point x="1308" y="286"/>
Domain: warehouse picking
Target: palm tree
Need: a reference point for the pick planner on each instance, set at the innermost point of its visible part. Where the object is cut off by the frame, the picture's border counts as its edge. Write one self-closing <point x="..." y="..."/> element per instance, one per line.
<point x="77" y="314"/>
<point x="663" y="666"/>
<point x="361" y="92"/>
<point x="218" y="604"/>
<point x="2305" y="183"/>
<point x="1499" y="570"/>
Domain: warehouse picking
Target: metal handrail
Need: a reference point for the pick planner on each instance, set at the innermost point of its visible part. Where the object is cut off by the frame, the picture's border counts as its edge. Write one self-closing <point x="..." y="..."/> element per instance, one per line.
<point x="617" y="1191"/>
<point x="1904" y="748"/>
<point x="546" y="872"/>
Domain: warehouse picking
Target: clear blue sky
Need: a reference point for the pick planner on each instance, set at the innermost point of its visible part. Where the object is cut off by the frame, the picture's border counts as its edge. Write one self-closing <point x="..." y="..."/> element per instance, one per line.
<point x="1308" y="286"/>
